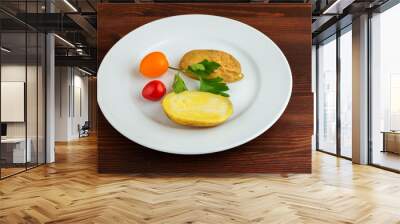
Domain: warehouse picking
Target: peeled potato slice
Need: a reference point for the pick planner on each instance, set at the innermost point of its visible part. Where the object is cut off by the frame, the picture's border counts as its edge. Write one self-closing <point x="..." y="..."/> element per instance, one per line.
<point x="230" y="70"/>
<point x="197" y="109"/>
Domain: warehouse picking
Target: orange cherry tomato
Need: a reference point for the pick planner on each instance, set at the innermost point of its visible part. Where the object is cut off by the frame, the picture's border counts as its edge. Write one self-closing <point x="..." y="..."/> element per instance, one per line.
<point x="154" y="64"/>
<point x="154" y="90"/>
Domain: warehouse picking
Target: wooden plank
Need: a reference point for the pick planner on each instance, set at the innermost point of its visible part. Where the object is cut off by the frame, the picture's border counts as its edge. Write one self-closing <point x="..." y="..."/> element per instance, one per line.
<point x="286" y="147"/>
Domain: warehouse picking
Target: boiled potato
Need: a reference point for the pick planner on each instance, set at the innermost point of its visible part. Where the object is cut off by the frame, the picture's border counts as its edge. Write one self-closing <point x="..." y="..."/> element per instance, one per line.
<point x="230" y="70"/>
<point x="197" y="109"/>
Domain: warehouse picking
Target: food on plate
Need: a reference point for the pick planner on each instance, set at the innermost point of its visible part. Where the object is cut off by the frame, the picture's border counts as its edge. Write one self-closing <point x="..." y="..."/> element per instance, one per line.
<point x="154" y="64"/>
<point x="196" y="108"/>
<point x="229" y="70"/>
<point x="207" y="106"/>
<point x="154" y="90"/>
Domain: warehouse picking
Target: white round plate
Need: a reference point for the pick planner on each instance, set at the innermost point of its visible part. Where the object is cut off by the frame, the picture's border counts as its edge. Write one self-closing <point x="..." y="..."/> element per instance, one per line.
<point x="259" y="99"/>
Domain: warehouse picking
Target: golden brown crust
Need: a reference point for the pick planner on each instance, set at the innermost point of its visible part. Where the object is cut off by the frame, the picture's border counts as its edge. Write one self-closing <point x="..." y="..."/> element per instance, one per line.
<point x="230" y="70"/>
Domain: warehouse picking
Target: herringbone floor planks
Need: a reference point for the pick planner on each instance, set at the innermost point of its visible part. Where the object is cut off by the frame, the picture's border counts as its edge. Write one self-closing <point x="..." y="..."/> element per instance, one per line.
<point x="71" y="191"/>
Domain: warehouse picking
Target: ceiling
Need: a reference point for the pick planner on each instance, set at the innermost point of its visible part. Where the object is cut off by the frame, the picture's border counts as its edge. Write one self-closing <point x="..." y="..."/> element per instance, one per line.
<point x="76" y="21"/>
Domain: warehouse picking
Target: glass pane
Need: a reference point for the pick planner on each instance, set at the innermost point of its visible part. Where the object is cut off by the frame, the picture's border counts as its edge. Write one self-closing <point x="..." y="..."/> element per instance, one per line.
<point x="22" y="90"/>
<point x="32" y="95"/>
<point x="346" y="93"/>
<point x="13" y="88"/>
<point x="385" y="114"/>
<point x="31" y="88"/>
<point x="327" y="96"/>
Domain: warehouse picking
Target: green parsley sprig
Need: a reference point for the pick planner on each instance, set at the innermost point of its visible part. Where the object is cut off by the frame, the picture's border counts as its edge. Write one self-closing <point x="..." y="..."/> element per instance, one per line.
<point x="202" y="71"/>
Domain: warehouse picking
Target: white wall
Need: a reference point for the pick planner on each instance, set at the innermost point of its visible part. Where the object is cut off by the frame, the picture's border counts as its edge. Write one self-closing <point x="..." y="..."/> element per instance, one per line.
<point x="81" y="84"/>
<point x="71" y="102"/>
<point x="14" y="72"/>
<point x="61" y="111"/>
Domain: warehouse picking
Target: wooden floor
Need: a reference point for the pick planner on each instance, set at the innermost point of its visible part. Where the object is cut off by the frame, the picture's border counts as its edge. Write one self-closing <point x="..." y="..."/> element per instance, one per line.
<point x="10" y="171"/>
<point x="71" y="191"/>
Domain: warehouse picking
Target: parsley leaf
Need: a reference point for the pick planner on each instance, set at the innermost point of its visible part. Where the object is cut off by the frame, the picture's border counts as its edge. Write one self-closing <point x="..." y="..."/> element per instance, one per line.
<point x="216" y="86"/>
<point x="196" y="67"/>
<point x="203" y="68"/>
<point x="178" y="85"/>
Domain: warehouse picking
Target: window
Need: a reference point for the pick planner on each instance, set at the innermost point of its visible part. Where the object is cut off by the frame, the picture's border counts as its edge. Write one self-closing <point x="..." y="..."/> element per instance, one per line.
<point x="346" y="92"/>
<point x="385" y="89"/>
<point x="334" y="94"/>
<point x="327" y="96"/>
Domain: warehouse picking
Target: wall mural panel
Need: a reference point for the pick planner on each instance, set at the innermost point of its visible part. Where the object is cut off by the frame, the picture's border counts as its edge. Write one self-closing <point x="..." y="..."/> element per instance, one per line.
<point x="284" y="148"/>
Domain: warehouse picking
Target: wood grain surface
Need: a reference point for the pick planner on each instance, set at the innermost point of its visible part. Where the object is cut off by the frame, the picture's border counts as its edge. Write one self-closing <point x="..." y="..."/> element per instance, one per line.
<point x="92" y="107"/>
<point x="284" y="148"/>
<point x="71" y="191"/>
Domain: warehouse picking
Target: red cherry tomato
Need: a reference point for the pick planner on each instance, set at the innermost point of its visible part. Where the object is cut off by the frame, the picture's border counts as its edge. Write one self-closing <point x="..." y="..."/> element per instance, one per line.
<point x="154" y="90"/>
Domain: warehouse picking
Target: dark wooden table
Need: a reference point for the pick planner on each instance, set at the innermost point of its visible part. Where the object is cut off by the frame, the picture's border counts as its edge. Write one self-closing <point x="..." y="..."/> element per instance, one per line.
<point x="284" y="148"/>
